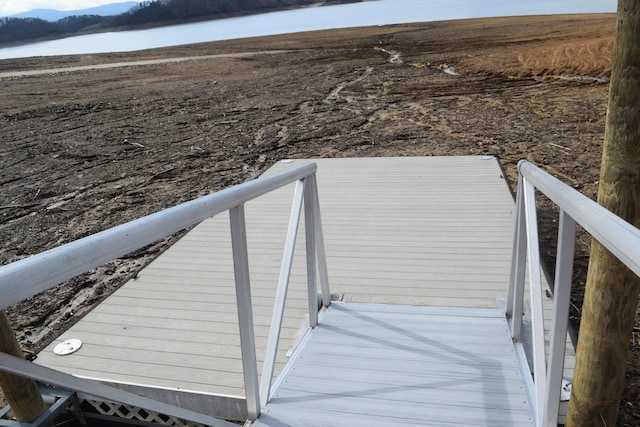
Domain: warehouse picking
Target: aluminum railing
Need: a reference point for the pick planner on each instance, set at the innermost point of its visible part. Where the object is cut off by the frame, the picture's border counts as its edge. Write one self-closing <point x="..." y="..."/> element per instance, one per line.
<point x="618" y="236"/>
<point x="38" y="273"/>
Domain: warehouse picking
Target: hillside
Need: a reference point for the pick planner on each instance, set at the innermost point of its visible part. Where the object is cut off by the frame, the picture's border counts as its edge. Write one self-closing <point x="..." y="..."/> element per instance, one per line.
<point x="53" y="15"/>
<point x="36" y="25"/>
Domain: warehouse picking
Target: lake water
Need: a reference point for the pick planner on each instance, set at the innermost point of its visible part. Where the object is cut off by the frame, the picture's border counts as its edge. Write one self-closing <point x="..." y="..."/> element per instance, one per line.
<point x="377" y="12"/>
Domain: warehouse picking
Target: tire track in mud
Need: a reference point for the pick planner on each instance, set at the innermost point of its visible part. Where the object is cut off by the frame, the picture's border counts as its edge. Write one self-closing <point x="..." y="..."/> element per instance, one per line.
<point x="334" y="95"/>
<point x="308" y="111"/>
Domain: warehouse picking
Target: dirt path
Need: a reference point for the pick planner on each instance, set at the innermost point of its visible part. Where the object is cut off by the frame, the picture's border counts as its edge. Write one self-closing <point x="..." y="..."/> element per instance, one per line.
<point x="89" y="149"/>
<point x="113" y="65"/>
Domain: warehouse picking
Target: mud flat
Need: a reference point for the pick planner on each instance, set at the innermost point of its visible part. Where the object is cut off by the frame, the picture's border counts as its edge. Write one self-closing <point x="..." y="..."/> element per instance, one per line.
<point x="84" y="149"/>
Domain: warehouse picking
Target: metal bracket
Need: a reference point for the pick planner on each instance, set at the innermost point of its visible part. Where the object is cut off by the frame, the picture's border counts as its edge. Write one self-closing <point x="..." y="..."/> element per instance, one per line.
<point x="61" y="400"/>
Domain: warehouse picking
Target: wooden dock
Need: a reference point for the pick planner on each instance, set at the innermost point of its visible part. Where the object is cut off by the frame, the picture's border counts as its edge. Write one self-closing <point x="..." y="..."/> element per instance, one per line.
<point x="428" y="231"/>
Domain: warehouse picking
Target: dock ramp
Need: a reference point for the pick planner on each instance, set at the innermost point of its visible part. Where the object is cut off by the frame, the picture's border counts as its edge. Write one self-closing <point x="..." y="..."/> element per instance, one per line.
<point x="423" y="272"/>
<point x="393" y="365"/>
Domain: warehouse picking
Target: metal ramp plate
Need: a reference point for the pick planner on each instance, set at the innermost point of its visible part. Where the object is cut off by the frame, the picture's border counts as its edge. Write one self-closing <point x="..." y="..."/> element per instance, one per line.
<point x="390" y="365"/>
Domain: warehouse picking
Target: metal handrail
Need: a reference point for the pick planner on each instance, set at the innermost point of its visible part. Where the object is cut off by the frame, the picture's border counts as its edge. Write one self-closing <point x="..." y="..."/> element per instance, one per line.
<point x="614" y="233"/>
<point x="618" y="236"/>
<point x="43" y="271"/>
<point x="40" y="272"/>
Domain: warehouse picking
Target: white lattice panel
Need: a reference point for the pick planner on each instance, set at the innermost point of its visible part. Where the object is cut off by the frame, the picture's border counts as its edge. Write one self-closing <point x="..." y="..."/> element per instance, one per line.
<point x="120" y="410"/>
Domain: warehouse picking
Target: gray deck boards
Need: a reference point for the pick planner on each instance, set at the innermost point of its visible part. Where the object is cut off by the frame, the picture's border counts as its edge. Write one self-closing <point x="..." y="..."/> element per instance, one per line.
<point x="395" y="365"/>
<point x="427" y="231"/>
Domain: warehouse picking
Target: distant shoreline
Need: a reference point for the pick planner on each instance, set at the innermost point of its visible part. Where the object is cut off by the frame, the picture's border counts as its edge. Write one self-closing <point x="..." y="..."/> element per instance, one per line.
<point x="170" y="23"/>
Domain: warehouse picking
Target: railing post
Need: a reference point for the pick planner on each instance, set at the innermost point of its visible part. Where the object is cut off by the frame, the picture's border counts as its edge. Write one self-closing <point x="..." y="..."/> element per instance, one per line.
<point x="307" y="191"/>
<point x="245" y="312"/>
<point x="309" y="226"/>
<point x="281" y="294"/>
<point x="561" y="301"/>
<point x="537" y="310"/>
<point x="515" y="295"/>
<point x="320" y="248"/>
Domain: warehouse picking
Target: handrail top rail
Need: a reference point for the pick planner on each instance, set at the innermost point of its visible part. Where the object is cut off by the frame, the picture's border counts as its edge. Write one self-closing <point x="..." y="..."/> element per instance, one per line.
<point x="617" y="235"/>
<point x="30" y="276"/>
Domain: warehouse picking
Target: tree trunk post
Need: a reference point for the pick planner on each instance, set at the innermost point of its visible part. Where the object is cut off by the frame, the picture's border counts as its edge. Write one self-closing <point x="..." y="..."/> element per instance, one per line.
<point x="22" y="394"/>
<point x="611" y="295"/>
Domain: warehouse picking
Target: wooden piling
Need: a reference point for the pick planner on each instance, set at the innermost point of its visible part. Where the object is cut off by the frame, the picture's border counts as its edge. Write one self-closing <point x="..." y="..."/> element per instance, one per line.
<point x="22" y="394"/>
<point x="611" y="295"/>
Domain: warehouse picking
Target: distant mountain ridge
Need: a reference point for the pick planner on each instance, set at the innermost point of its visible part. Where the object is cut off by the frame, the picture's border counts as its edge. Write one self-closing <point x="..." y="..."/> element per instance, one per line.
<point x="54" y="15"/>
<point x="50" y="24"/>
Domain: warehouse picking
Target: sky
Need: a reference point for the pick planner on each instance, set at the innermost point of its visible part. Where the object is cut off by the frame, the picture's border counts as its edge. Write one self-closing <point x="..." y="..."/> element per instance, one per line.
<point x="11" y="7"/>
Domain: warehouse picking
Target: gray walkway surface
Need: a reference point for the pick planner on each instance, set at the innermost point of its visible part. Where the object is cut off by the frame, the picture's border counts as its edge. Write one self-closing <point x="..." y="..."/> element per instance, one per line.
<point x="392" y="365"/>
<point x="423" y="231"/>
